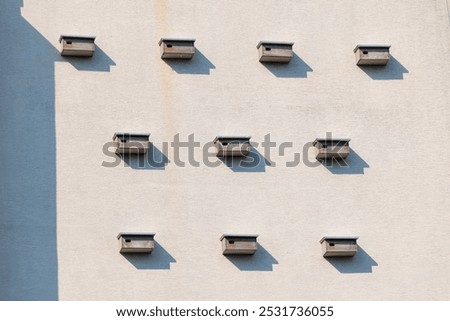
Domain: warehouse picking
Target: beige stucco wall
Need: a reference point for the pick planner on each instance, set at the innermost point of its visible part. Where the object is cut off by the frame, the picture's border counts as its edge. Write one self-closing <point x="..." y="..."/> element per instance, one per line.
<point x="394" y="197"/>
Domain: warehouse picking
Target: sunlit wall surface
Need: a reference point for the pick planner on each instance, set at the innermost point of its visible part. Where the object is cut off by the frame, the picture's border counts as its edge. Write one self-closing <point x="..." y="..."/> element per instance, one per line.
<point x="63" y="204"/>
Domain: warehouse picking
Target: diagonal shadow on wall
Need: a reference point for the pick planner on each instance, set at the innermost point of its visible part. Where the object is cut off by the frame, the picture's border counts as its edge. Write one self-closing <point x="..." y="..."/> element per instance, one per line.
<point x="154" y="159"/>
<point x="296" y="68"/>
<point x="99" y="62"/>
<point x="198" y="65"/>
<point x="352" y="165"/>
<point x="159" y="259"/>
<point x="362" y="262"/>
<point x="260" y="261"/>
<point x="394" y="70"/>
<point x="29" y="262"/>
<point x="29" y="269"/>
<point x="254" y="162"/>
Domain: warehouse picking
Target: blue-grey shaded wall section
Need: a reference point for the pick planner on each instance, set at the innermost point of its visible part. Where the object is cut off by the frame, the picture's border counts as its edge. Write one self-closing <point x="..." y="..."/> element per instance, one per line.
<point x="28" y="255"/>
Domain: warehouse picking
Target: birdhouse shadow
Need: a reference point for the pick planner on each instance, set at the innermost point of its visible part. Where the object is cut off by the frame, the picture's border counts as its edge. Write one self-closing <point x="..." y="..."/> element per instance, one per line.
<point x="296" y="68"/>
<point x="198" y="65"/>
<point x="394" y="70"/>
<point x="262" y="260"/>
<point x="254" y="162"/>
<point x="361" y="262"/>
<point x="159" y="259"/>
<point x="352" y="165"/>
<point x="154" y="159"/>
<point x="100" y="61"/>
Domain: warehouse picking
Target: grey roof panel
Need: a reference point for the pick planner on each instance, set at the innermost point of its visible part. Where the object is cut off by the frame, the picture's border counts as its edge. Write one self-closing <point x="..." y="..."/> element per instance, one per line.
<point x="226" y="235"/>
<point x="135" y="234"/>
<point x="76" y="37"/>
<point x="266" y="42"/>
<point x="338" y="238"/>
<point x="176" y="40"/>
<point x="368" y="46"/>
<point x="228" y="137"/>
<point x="122" y="134"/>
<point x="340" y="139"/>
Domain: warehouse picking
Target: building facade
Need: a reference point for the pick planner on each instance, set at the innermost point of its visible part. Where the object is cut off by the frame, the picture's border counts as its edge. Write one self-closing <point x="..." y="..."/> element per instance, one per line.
<point x="65" y="196"/>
